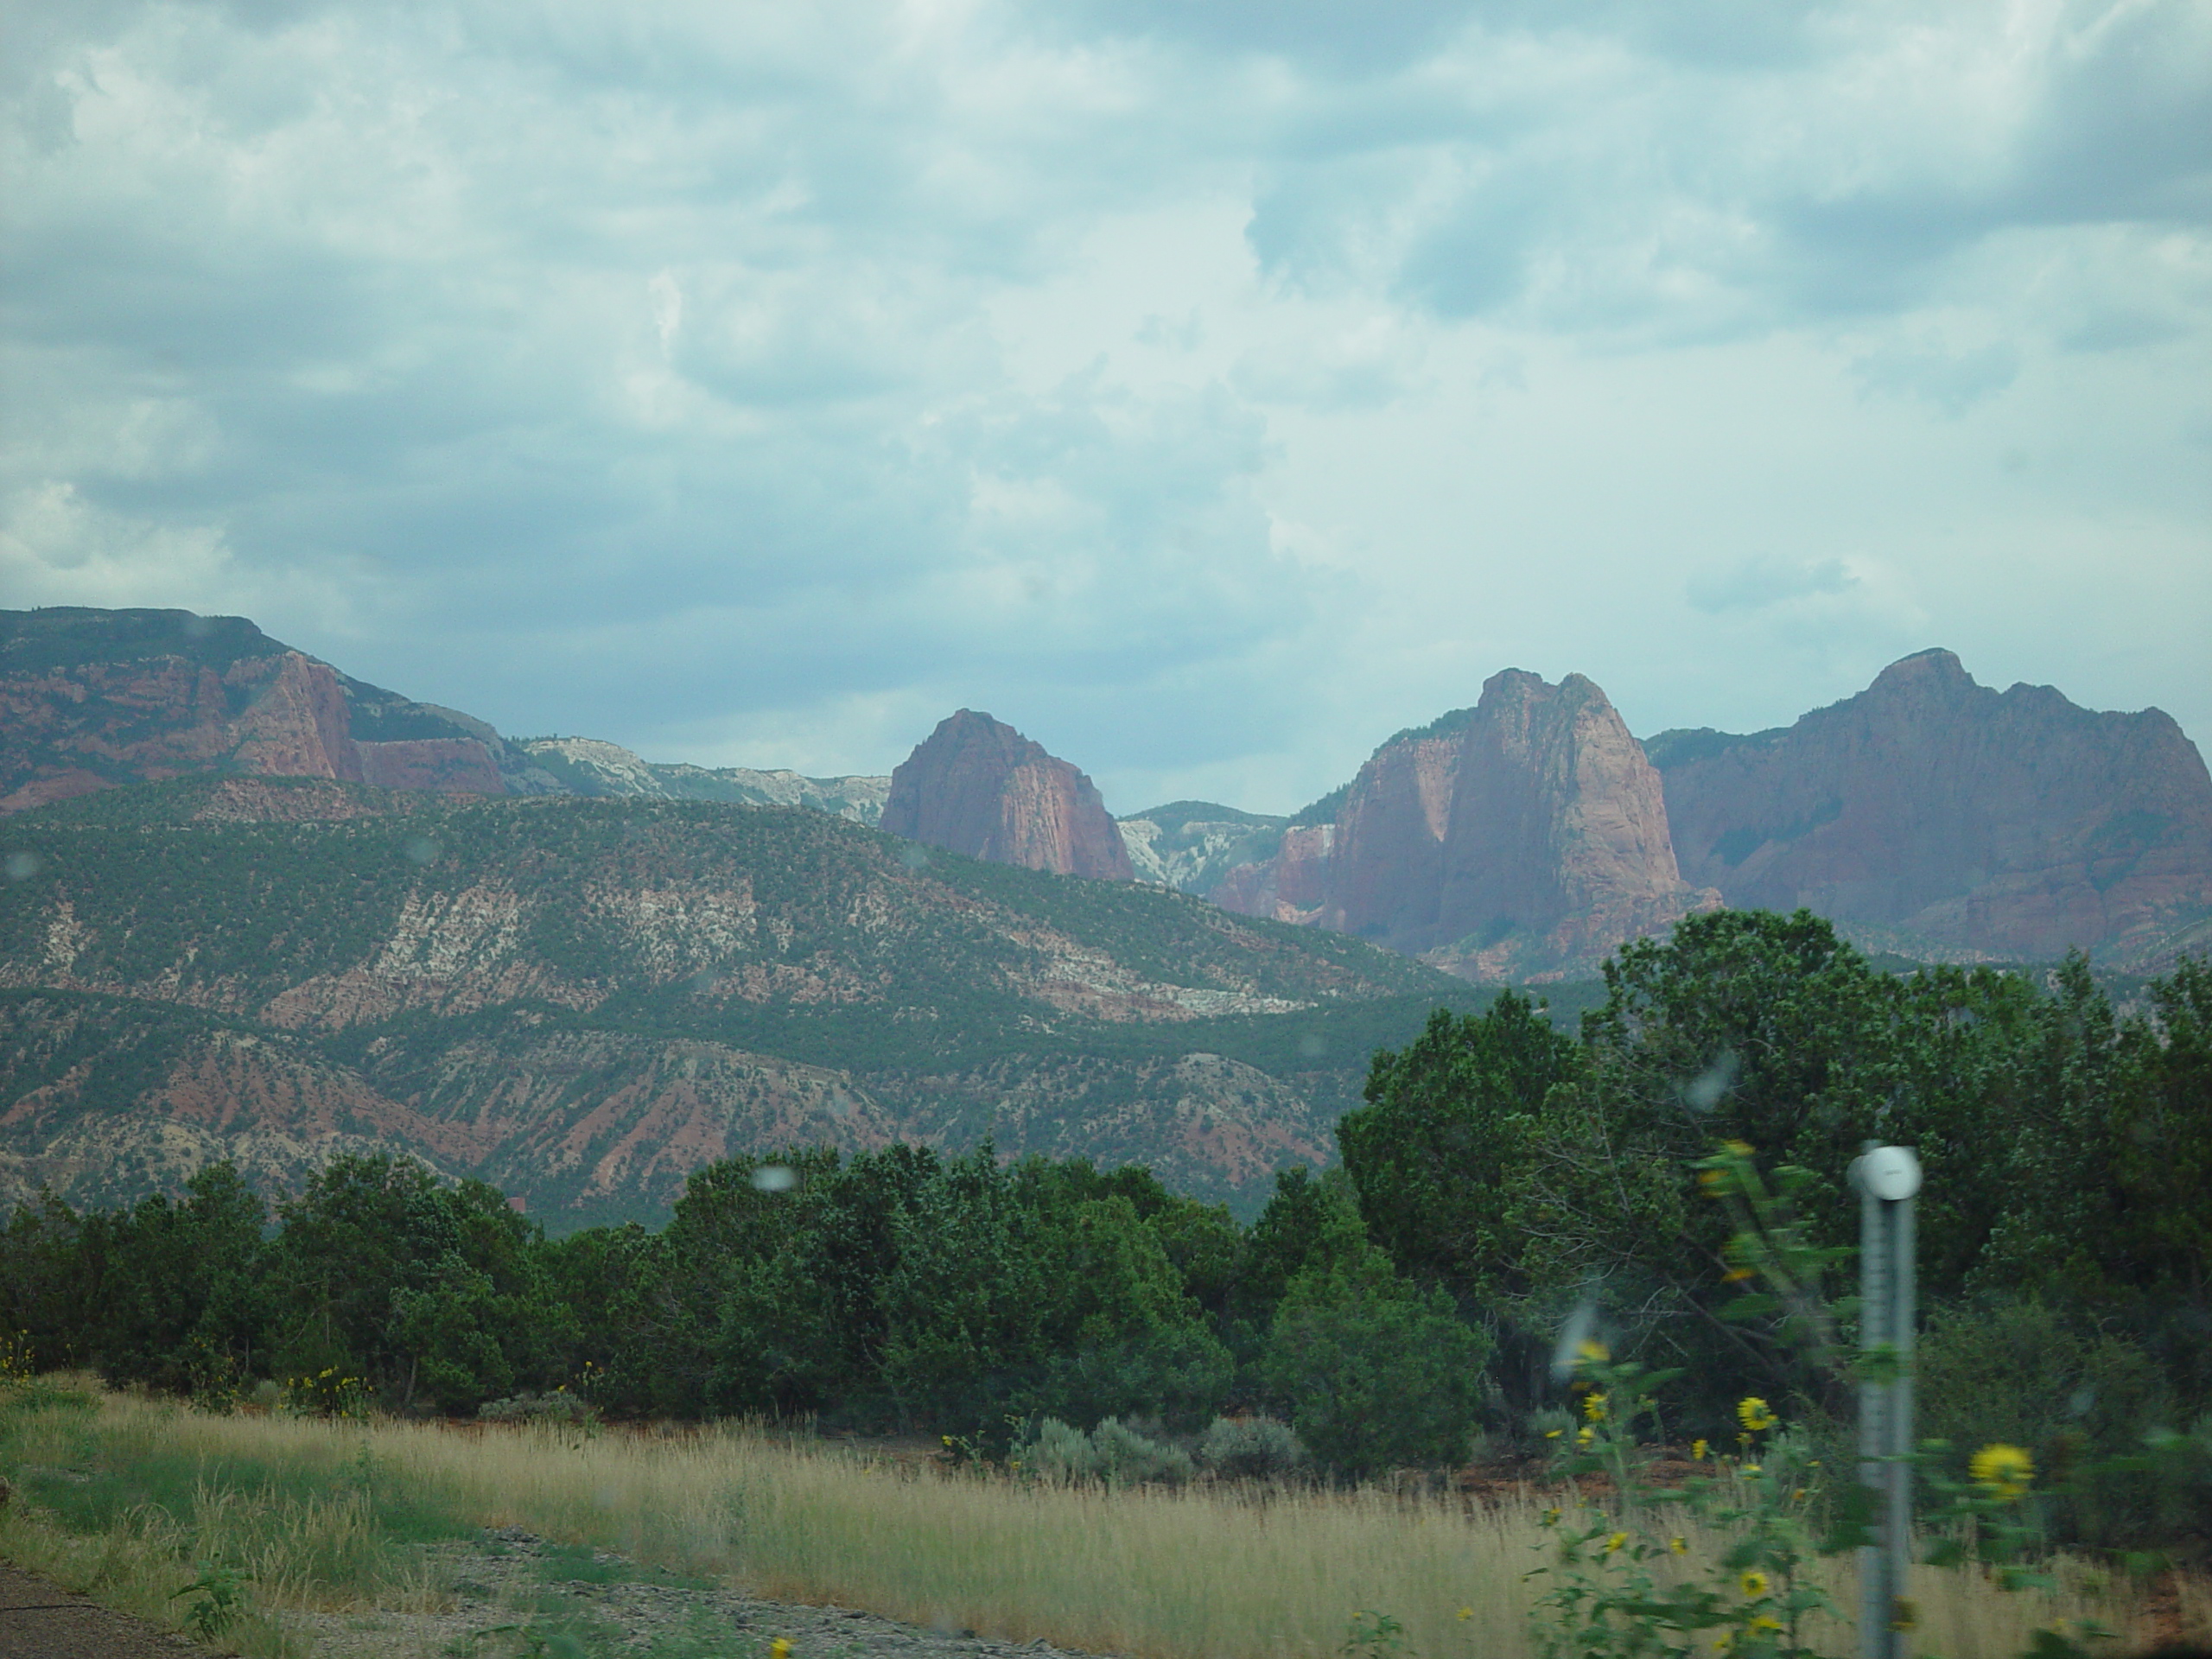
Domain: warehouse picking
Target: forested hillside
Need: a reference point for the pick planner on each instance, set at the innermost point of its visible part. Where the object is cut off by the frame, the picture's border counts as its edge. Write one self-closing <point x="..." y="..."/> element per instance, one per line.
<point x="586" y="999"/>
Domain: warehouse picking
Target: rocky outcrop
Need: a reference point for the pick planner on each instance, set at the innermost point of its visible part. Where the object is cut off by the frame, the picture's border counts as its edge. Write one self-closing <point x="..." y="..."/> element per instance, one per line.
<point x="979" y="787"/>
<point x="1291" y="886"/>
<point x="1553" y="847"/>
<point x="1523" y="838"/>
<point x="589" y="765"/>
<point x="1558" y="848"/>
<point x="1191" y="845"/>
<point x="1945" y="818"/>
<point x="92" y="700"/>
<point x="1386" y="875"/>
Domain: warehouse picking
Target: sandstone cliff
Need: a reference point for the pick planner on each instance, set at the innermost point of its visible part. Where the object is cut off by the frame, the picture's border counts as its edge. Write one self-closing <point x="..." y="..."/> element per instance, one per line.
<point x="1292" y="885"/>
<point x="1945" y="818"/>
<point x="92" y="699"/>
<point x="1523" y="838"/>
<point x="979" y="787"/>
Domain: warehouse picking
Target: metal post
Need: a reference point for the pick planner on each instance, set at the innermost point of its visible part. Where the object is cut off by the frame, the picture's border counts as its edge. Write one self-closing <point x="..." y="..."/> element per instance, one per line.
<point x="1888" y="1179"/>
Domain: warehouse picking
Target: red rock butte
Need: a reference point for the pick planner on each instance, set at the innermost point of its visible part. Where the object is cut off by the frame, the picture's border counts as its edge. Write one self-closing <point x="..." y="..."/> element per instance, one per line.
<point x="977" y="786"/>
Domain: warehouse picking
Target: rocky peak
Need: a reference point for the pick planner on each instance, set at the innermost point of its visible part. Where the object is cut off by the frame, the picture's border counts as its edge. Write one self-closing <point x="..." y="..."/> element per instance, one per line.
<point x="1949" y="817"/>
<point x="1558" y="848"/>
<point x="977" y="785"/>
<point x="1524" y="836"/>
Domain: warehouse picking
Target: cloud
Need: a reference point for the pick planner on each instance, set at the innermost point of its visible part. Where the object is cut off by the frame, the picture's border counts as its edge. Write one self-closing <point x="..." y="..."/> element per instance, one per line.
<point x="1952" y="381"/>
<point x="1203" y="384"/>
<point x="1759" y="583"/>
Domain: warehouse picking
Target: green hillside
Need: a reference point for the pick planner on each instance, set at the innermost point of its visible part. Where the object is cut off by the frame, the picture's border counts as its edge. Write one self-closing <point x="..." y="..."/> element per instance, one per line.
<point x="414" y="949"/>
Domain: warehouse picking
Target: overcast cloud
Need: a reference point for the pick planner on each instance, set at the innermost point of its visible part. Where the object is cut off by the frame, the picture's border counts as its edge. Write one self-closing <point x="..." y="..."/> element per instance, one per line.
<point x="1208" y="389"/>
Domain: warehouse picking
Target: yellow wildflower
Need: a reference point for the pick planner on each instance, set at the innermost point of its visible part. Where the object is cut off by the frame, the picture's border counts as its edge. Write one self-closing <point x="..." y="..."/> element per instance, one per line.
<point x="2004" y="1471"/>
<point x="1591" y="1353"/>
<point x="1751" y="1469"/>
<point x="1698" y="1449"/>
<point x="1585" y="1434"/>
<point x="1593" y="1407"/>
<point x="1752" y="1583"/>
<point x="780" y="1647"/>
<point x="1764" y="1623"/>
<point x="1679" y="1544"/>
<point x="1752" y="1412"/>
<point x="1615" y="1541"/>
<point x="1466" y="1612"/>
<point x="1553" y="1433"/>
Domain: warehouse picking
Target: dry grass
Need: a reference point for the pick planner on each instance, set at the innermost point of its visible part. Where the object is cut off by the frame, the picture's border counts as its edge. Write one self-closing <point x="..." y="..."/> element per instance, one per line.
<point x="1206" y="1574"/>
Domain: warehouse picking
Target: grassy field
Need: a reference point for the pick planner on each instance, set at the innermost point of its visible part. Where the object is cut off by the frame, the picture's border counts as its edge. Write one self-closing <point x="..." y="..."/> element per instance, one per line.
<point x="134" y="1496"/>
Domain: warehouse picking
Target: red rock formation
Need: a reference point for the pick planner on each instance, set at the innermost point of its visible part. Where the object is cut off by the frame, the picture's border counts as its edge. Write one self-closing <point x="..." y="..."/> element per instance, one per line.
<point x="296" y="724"/>
<point x="1386" y="873"/>
<point x="1558" y="849"/>
<point x="1523" y="838"/>
<point x="1970" y="821"/>
<point x="1291" y="886"/>
<point x="979" y="787"/>
<point x="90" y="700"/>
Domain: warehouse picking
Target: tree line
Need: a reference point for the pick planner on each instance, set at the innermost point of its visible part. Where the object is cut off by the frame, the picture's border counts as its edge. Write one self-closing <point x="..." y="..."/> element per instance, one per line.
<point x="1504" y="1180"/>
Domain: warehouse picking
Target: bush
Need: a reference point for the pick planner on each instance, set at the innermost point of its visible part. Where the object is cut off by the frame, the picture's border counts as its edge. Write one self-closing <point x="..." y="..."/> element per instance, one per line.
<point x="560" y="1408"/>
<point x="1114" y="1452"/>
<point x="1063" y="1453"/>
<point x="1128" y="1458"/>
<point x="1251" y="1448"/>
<point x="2021" y="1373"/>
<point x="1378" y="1373"/>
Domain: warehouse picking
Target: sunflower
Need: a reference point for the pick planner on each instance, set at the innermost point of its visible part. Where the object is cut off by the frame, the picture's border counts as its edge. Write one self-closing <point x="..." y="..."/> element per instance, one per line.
<point x="2004" y="1471"/>
<point x="1752" y="1583"/>
<point x="1754" y="1414"/>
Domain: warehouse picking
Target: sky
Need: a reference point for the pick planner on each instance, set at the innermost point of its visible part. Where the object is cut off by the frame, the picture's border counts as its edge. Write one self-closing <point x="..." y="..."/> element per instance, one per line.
<point x="1209" y="388"/>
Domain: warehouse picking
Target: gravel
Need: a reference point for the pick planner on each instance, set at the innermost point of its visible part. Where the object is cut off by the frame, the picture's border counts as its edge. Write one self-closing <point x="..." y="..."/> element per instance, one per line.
<point x="513" y="1592"/>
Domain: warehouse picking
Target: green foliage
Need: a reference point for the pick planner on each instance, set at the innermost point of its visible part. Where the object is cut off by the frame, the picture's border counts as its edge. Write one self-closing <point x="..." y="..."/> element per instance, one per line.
<point x="1126" y="1457"/>
<point x="2016" y="1372"/>
<point x="1623" y="1580"/>
<point x="1251" y="1448"/>
<point x="1377" y="1372"/>
<point x="220" y="1598"/>
<point x="1059" y="1453"/>
<point x="1443" y="1145"/>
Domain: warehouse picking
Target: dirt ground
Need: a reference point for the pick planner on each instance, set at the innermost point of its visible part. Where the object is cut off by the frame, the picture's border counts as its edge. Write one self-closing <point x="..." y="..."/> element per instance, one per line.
<point x="515" y="1593"/>
<point x="41" y="1620"/>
